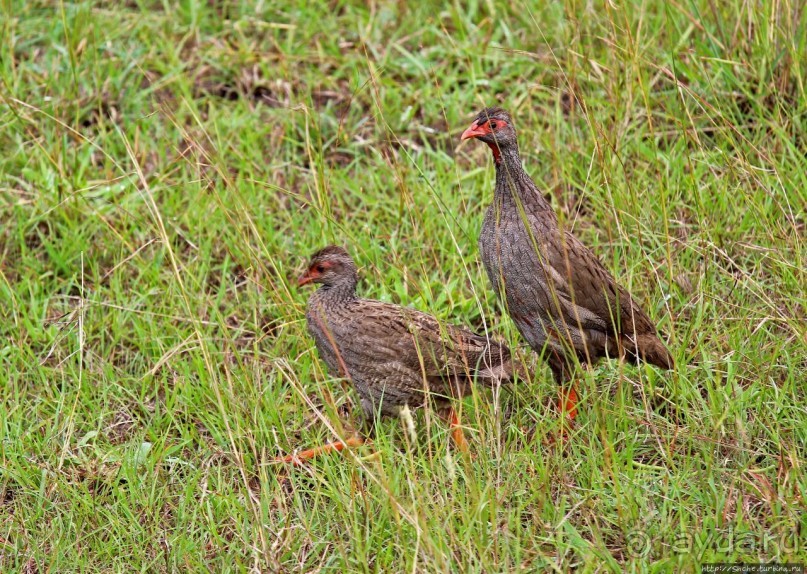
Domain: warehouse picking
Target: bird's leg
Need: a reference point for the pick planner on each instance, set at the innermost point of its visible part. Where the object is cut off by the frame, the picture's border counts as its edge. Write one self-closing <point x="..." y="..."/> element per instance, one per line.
<point x="567" y="399"/>
<point x="562" y="371"/>
<point x="449" y="415"/>
<point x="299" y="458"/>
<point x="567" y="405"/>
<point x="354" y="440"/>
<point x="568" y="402"/>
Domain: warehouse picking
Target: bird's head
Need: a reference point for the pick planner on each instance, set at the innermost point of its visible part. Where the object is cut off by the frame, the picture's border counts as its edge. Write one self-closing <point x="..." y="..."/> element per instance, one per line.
<point x="329" y="266"/>
<point x="494" y="126"/>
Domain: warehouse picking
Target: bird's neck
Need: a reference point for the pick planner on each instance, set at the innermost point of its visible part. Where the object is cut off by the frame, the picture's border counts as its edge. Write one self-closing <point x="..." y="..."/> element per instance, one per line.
<point x="507" y="157"/>
<point x="514" y="185"/>
<point x="340" y="291"/>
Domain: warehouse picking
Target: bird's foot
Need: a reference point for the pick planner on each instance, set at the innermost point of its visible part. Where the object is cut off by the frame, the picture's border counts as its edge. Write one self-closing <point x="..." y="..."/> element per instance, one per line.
<point x="299" y="459"/>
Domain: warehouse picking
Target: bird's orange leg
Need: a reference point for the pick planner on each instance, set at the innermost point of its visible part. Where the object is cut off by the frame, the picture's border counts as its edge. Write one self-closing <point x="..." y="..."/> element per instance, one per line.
<point x="299" y="458"/>
<point x="567" y="405"/>
<point x="568" y="402"/>
<point x="450" y="416"/>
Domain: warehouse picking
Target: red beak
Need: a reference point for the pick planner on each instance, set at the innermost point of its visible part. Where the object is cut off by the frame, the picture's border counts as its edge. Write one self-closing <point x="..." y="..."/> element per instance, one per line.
<point x="305" y="279"/>
<point x="474" y="131"/>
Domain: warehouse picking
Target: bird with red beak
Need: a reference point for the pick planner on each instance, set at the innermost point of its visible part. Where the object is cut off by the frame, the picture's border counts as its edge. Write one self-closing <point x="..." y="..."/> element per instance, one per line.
<point x="395" y="356"/>
<point x="562" y="299"/>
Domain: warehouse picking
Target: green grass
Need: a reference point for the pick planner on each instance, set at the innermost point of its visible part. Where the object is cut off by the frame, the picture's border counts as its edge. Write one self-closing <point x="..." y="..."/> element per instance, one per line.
<point x="166" y="168"/>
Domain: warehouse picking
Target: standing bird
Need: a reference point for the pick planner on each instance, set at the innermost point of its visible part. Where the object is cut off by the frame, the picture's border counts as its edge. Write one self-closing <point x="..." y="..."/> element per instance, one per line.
<point x="394" y="355"/>
<point x="563" y="300"/>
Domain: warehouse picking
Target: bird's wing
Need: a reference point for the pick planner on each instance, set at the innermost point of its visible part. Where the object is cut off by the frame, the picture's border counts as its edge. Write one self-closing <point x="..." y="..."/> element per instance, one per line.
<point x="422" y="343"/>
<point x="587" y="293"/>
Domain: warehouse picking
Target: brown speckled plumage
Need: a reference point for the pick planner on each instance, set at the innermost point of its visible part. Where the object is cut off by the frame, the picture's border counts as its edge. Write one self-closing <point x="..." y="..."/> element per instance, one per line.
<point x="558" y="293"/>
<point x="393" y="354"/>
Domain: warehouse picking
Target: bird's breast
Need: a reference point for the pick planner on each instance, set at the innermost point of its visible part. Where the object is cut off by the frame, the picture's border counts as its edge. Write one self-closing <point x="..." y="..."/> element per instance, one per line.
<point x="514" y="261"/>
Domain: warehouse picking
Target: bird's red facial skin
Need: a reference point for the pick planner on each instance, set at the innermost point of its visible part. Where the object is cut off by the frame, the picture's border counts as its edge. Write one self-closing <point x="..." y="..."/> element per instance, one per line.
<point x="313" y="273"/>
<point x="497" y="154"/>
<point x="482" y="129"/>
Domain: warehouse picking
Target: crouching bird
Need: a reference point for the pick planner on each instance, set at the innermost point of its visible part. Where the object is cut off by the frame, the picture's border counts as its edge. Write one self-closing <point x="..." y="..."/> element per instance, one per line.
<point x="393" y="355"/>
<point x="562" y="299"/>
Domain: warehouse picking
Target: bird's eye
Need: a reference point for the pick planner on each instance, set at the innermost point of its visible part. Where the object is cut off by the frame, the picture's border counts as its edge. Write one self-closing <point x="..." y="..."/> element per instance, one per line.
<point x="492" y="124"/>
<point x="320" y="268"/>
